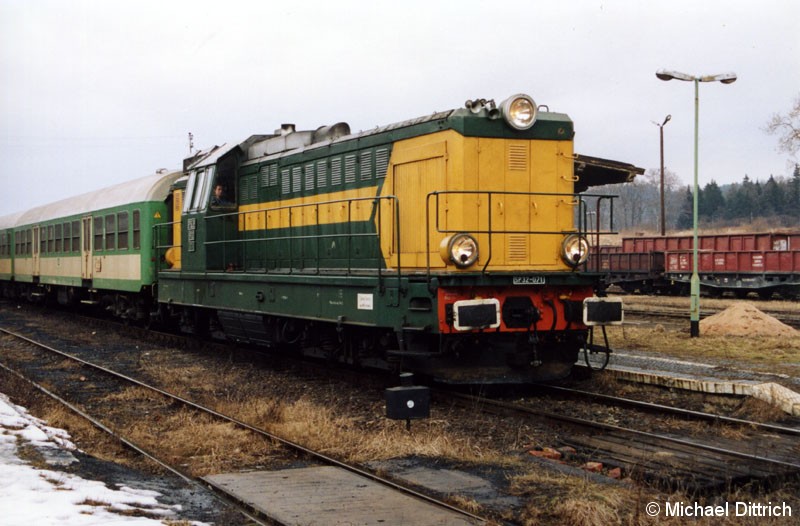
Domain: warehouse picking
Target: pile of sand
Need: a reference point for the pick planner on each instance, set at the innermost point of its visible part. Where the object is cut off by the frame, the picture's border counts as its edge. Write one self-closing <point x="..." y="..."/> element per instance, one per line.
<point x="744" y="319"/>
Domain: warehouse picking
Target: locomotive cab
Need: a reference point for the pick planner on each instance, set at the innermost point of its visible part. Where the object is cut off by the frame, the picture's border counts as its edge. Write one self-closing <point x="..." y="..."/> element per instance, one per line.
<point x="206" y="211"/>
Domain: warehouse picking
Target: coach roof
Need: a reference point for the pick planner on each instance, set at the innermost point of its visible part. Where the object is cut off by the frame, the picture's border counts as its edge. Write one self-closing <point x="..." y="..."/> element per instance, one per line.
<point x="154" y="187"/>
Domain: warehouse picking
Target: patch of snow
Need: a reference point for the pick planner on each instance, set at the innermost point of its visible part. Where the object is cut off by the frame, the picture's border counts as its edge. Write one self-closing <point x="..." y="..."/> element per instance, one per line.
<point x="29" y="495"/>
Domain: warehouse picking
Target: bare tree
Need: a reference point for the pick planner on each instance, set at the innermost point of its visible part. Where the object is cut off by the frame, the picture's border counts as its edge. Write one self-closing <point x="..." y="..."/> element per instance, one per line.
<point x="788" y="128"/>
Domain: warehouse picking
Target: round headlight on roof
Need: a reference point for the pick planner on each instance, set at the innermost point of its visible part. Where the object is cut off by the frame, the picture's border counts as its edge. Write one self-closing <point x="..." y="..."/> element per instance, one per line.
<point x="575" y="250"/>
<point x="519" y="111"/>
<point x="459" y="249"/>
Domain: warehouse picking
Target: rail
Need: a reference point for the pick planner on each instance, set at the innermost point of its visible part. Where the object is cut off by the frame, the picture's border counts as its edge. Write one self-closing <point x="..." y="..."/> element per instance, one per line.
<point x="163" y="241"/>
<point x="255" y="254"/>
<point x="330" y="236"/>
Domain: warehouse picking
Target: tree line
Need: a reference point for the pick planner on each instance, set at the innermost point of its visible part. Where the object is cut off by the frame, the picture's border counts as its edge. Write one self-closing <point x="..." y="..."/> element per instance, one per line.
<point x="774" y="202"/>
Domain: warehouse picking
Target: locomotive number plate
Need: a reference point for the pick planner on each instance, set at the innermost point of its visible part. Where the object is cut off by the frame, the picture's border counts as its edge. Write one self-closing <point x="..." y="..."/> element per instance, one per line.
<point x="528" y="280"/>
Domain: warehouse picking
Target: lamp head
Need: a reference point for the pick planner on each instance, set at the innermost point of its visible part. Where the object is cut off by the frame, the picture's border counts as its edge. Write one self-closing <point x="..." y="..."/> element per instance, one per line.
<point x="663" y="74"/>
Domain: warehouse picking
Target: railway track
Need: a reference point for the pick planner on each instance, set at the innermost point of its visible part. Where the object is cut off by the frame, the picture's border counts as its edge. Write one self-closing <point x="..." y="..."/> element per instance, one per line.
<point x="651" y="463"/>
<point x="671" y="410"/>
<point x="50" y="366"/>
<point x="670" y="460"/>
<point x="680" y="313"/>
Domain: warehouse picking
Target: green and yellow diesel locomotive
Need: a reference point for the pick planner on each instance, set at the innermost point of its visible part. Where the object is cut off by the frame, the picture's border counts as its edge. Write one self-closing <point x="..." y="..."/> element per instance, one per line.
<point x="449" y="244"/>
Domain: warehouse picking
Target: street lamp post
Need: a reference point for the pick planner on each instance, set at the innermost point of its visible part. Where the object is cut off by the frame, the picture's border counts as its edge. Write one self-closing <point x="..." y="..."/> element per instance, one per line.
<point x="661" y="134"/>
<point x="694" y="287"/>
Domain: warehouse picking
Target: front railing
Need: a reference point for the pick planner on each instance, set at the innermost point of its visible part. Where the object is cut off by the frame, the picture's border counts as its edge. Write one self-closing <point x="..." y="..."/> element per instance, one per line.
<point x="579" y="202"/>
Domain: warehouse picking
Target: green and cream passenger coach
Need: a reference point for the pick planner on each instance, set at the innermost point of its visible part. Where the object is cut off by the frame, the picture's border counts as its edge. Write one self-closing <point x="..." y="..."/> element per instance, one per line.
<point x="96" y="248"/>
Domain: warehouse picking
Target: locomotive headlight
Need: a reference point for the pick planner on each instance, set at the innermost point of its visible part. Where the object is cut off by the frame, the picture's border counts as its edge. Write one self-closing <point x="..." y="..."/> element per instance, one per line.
<point x="459" y="249"/>
<point x="519" y="111"/>
<point x="575" y="250"/>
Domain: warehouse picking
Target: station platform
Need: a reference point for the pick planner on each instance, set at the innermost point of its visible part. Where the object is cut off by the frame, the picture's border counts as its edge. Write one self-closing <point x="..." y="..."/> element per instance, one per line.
<point x="778" y="390"/>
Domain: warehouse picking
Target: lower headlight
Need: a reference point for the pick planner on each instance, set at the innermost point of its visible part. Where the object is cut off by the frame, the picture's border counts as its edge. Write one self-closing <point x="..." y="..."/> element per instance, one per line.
<point x="575" y="250"/>
<point x="459" y="249"/>
<point x="519" y="111"/>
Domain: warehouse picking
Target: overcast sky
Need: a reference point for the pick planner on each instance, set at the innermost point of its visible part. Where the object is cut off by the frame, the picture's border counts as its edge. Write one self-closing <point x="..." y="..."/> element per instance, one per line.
<point x="97" y="92"/>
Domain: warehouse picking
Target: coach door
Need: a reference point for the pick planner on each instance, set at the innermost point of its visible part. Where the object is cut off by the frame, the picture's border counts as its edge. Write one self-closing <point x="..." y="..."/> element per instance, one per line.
<point x="35" y="251"/>
<point x="86" y="248"/>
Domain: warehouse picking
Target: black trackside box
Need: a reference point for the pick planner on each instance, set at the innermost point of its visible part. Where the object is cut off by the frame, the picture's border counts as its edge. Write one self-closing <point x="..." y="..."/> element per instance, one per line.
<point x="408" y="402"/>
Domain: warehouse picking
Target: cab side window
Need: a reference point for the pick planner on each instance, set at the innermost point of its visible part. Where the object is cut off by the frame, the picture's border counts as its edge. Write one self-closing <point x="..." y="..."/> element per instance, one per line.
<point x="210" y="187"/>
<point x="223" y="190"/>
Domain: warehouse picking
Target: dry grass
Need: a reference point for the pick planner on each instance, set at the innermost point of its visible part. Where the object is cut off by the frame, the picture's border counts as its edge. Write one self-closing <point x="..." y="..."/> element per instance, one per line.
<point x="555" y="499"/>
<point x="560" y="499"/>
<point x="321" y="428"/>
<point x="200" y="443"/>
<point x="316" y="422"/>
<point x="102" y="445"/>
<point x="759" y="411"/>
<point x="208" y="446"/>
<point x="465" y="503"/>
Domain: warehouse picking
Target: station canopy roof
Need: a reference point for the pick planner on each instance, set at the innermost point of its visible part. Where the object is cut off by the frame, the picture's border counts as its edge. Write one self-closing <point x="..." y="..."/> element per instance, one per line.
<point x="594" y="171"/>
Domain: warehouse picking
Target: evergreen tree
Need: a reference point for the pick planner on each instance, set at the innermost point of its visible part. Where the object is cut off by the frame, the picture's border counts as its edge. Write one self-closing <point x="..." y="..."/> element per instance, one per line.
<point x="711" y="203"/>
<point x="743" y="201"/>
<point x="685" y="216"/>
<point x="773" y="201"/>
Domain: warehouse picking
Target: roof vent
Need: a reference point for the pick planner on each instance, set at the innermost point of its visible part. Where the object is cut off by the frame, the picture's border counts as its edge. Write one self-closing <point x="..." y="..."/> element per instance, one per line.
<point x="286" y="129"/>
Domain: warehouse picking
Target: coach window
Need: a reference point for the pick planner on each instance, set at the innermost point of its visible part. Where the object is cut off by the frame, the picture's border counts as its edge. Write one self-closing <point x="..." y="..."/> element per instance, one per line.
<point x="59" y="236"/>
<point x="136" y="231"/>
<point x="67" y="229"/>
<point x="29" y="242"/>
<point x="76" y="236"/>
<point x="122" y="231"/>
<point x="111" y="231"/>
<point x="98" y="233"/>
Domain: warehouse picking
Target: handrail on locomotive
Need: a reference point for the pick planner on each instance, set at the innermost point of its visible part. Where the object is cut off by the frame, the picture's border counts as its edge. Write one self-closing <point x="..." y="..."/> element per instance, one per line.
<point x="262" y="216"/>
<point x="575" y="200"/>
